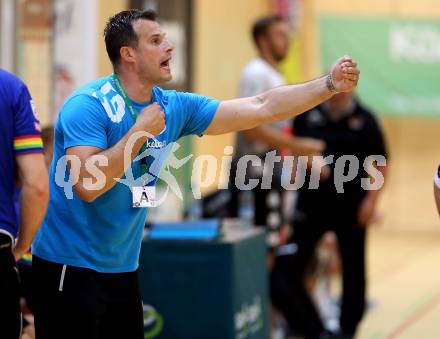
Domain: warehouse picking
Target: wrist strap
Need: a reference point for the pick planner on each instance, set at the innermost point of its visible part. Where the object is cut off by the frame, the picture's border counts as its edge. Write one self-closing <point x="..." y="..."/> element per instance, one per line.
<point x="329" y="83"/>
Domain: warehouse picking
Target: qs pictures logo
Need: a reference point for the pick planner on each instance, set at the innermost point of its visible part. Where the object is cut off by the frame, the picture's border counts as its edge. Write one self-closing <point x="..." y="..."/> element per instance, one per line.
<point x="249" y="318"/>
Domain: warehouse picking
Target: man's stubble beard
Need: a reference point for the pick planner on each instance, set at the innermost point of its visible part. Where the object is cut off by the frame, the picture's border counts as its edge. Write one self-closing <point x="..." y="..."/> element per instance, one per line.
<point x="156" y="79"/>
<point x="278" y="57"/>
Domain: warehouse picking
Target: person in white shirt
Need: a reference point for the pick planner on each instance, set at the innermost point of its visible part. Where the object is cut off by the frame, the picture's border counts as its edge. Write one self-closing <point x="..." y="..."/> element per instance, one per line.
<point x="271" y="37"/>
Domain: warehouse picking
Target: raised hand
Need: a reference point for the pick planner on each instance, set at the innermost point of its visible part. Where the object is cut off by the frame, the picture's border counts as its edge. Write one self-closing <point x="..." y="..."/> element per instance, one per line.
<point x="345" y="74"/>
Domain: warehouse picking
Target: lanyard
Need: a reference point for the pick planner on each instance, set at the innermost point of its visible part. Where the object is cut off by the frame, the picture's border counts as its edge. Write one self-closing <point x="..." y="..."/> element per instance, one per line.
<point x="134" y="116"/>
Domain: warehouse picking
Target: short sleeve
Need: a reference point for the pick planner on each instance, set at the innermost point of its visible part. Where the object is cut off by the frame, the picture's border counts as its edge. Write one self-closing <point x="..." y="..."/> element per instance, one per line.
<point x="27" y="136"/>
<point x="199" y="112"/>
<point x="83" y="122"/>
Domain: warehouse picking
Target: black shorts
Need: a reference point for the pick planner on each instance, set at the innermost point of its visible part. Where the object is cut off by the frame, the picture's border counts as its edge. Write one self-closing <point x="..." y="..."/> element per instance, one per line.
<point x="10" y="315"/>
<point x="26" y="284"/>
<point x="73" y="302"/>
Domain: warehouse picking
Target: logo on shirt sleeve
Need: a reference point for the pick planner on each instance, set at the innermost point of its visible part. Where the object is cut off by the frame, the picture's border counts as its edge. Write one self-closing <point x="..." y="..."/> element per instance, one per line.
<point x="112" y="102"/>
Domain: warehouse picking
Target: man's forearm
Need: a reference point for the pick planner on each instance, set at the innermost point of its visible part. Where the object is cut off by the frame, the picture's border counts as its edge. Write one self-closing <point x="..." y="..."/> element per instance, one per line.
<point x="284" y="102"/>
<point x="114" y="161"/>
<point x="280" y="103"/>
<point x="118" y="157"/>
<point x="33" y="198"/>
<point x="33" y="204"/>
<point x="118" y="161"/>
<point x="288" y="101"/>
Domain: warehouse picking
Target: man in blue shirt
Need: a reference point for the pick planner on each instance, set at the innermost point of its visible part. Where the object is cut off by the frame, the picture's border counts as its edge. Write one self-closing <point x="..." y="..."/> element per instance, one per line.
<point x="86" y="253"/>
<point x="20" y="153"/>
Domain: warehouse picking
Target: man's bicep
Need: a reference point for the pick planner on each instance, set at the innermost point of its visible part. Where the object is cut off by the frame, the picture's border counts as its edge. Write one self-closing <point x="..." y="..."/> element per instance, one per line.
<point x="82" y="153"/>
<point x="235" y="115"/>
<point x="198" y="112"/>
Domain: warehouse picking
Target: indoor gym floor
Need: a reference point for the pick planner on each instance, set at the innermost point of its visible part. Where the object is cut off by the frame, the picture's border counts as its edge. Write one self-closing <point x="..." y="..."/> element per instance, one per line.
<point x="404" y="286"/>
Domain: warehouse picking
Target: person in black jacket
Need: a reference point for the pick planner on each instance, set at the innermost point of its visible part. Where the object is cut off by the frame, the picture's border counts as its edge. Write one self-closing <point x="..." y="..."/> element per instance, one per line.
<point x="352" y="135"/>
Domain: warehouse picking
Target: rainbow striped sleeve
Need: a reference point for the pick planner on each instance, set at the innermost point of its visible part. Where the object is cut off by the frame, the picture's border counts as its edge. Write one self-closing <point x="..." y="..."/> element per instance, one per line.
<point x="28" y="144"/>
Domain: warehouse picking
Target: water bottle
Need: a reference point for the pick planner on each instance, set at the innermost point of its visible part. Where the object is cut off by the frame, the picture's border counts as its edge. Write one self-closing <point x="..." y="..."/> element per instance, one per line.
<point x="196" y="210"/>
<point x="196" y="207"/>
<point x="246" y="209"/>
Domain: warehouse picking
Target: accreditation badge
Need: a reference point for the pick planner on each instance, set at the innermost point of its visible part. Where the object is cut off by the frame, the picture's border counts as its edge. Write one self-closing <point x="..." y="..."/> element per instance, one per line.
<point x="144" y="196"/>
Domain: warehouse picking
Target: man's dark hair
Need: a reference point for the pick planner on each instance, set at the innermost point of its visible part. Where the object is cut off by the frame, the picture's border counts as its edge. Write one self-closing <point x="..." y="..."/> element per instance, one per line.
<point x="262" y="25"/>
<point x="119" y="31"/>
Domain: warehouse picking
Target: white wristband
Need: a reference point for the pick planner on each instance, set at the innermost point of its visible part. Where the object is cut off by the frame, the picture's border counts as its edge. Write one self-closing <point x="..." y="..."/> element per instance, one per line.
<point x="437" y="178"/>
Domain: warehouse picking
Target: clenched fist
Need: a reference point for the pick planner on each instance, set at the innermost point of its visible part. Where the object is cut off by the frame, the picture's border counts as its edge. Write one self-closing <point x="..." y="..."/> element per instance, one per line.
<point x="152" y="119"/>
<point x="345" y="74"/>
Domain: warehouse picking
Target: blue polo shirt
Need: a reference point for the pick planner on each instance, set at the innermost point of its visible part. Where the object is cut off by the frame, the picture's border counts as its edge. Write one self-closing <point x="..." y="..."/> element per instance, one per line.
<point x="105" y="235"/>
<point x="19" y="134"/>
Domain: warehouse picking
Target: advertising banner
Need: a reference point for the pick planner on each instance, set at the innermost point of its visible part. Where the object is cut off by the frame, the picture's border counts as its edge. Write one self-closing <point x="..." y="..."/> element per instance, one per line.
<point x="399" y="60"/>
